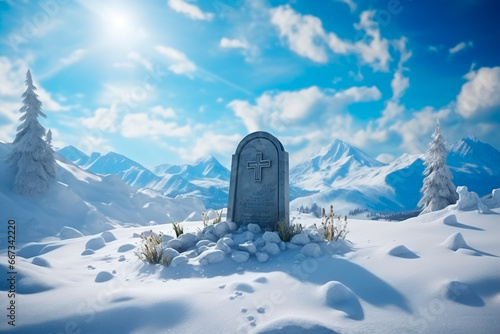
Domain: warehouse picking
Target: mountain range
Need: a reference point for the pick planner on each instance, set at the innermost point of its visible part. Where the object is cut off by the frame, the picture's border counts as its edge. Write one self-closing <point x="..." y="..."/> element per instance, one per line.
<point x="338" y="174"/>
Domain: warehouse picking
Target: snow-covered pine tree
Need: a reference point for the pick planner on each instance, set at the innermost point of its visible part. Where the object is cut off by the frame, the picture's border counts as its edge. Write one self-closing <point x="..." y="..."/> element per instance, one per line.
<point x="48" y="138"/>
<point x="438" y="190"/>
<point x="31" y="155"/>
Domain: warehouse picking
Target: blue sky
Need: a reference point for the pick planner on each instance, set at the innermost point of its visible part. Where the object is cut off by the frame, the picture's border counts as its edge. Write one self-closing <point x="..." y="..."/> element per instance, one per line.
<point x="170" y="81"/>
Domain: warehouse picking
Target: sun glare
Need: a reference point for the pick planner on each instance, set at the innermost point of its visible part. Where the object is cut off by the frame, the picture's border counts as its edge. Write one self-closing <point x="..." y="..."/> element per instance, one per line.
<point x="119" y="21"/>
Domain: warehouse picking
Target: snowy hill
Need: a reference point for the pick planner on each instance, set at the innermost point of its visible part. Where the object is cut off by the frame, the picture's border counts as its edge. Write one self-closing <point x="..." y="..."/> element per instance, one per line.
<point x="475" y="164"/>
<point x="436" y="273"/>
<point x="87" y="202"/>
<point x="349" y="179"/>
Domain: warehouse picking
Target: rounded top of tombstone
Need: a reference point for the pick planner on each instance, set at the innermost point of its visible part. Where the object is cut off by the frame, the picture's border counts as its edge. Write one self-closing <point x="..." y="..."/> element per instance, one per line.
<point x="257" y="135"/>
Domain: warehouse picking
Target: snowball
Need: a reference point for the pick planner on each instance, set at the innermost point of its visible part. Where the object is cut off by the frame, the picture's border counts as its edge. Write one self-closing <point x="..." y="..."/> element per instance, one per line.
<point x="108" y="236"/>
<point x="202" y="249"/>
<point x="271" y="237"/>
<point x="259" y="243"/>
<point x="202" y="243"/>
<point x="254" y="228"/>
<point x="271" y="248"/>
<point x="248" y="247"/>
<point x="223" y="247"/>
<point x="103" y="276"/>
<point x="282" y="245"/>
<point x="455" y="241"/>
<point x="40" y="261"/>
<point x="95" y="243"/>
<point x="262" y="257"/>
<point x="212" y="256"/>
<point x="210" y="236"/>
<point x="175" y="244"/>
<point x="179" y="260"/>
<point x="190" y="254"/>
<point x="315" y="236"/>
<point x="249" y="236"/>
<point x="232" y="226"/>
<point x="240" y="257"/>
<point x="221" y="229"/>
<point x="188" y="240"/>
<point x="171" y="253"/>
<point x="228" y="241"/>
<point x="69" y="233"/>
<point x="300" y="239"/>
<point x="311" y="250"/>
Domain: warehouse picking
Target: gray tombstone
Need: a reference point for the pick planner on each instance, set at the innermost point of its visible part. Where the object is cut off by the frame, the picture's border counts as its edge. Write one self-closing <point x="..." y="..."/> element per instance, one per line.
<point x="258" y="190"/>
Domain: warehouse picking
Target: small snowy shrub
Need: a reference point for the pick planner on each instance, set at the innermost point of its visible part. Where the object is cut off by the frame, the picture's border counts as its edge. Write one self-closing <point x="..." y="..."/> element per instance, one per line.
<point x="177" y="229"/>
<point x="287" y="232"/>
<point x="218" y="218"/>
<point x="204" y="216"/>
<point x="334" y="227"/>
<point x="151" y="251"/>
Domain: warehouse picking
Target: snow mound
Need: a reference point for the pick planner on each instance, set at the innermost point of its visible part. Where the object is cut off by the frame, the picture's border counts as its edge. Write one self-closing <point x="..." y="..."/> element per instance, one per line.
<point x="40" y="261"/>
<point x="69" y="233"/>
<point x="337" y="296"/>
<point x="294" y="326"/>
<point x="469" y="200"/>
<point x="103" y="276"/>
<point x="403" y="252"/>
<point x="462" y="293"/>
<point x="28" y="280"/>
<point x="95" y="243"/>
<point x="108" y="236"/>
<point x="311" y="250"/>
<point x="125" y="248"/>
<point x="455" y="242"/>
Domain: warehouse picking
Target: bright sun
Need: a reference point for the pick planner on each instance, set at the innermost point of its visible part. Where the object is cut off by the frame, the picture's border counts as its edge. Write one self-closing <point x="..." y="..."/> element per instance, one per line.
<point x="119" y="21"/>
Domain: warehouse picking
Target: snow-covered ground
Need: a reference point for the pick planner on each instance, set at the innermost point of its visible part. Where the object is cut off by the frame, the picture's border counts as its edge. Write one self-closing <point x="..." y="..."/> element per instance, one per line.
<point x="437" y="273"/>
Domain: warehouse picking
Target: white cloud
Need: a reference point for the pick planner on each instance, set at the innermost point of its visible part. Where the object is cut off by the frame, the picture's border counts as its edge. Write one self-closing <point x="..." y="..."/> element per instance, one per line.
<point x="460" y="46"/>
<point x="304" y="33"/>
<point x="139" y="59"/>
<point x="249" y="51"/>
<point x="399" y="85"/>
<point x="352" y="5"/>
<point x="375" y="50"/>
<point x="385" y="158"/>
<point x="367" y="136"/>
<point x="141" y="125"/>
<point x="12" y="77"/>
<point x="190" y="10"/>
<point x="211" y="143"/>
<point x="280" y="110"/>
<point x="181" y="65"/>
<point x="104" y="119"/>
<point x="74" y="57"/>
<point x="415" y="132"/>
<point x="164" y="112"/>
<point x="480" y="95"/>
<point x="233" y="43"/>
<point x="306" y="36"/>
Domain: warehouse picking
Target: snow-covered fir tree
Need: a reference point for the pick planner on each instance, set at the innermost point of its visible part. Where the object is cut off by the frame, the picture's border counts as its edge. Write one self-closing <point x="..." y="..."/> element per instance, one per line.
<point x="438" y="190"/>
<point x="31" y="154"/>
<point x="48" y="138"/>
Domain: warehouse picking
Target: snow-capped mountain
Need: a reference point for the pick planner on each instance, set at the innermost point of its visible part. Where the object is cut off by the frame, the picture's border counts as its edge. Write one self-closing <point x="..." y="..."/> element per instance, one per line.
<point x="332" y="162"/>
<point x="349" y="179"/>
<point x="206" y="179"/>
<point x="475" y="164"/>
<point x="87" y="202"/>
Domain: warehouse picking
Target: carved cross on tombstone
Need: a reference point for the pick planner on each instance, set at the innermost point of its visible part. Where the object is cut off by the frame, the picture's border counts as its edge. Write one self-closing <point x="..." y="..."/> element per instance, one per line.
<point x="257" y="196"/>
<point x="258" y="164"/>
